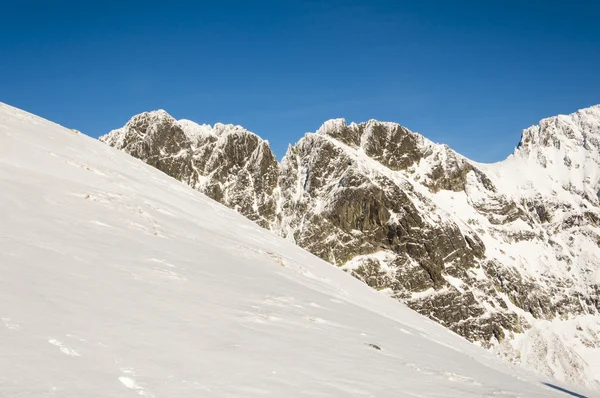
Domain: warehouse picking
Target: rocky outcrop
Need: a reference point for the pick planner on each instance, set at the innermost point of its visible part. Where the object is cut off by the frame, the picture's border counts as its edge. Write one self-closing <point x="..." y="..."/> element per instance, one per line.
<point x="492" y="252"/>
<point x="226" y="162"/>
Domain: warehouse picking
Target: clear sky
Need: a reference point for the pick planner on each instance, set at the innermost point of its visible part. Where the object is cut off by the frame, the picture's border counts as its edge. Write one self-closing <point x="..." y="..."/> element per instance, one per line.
<point x="471" y="74"/>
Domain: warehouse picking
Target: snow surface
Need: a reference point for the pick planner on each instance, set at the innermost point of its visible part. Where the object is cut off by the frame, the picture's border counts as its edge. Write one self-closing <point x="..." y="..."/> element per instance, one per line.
<point x="118" y="281"/>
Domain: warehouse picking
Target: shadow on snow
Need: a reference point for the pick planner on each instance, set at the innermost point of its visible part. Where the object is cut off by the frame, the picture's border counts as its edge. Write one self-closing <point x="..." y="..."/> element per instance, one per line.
<point x="571" y="393"/>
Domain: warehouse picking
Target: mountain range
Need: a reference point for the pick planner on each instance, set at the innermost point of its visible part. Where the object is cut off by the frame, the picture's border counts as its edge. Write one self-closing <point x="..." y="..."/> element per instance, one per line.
<point x="119" y="281"/>
<point x="507" y="254"/>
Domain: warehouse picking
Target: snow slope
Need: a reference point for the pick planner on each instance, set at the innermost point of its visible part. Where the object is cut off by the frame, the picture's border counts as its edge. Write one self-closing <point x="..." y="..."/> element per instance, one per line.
<point x="118" y="281"/>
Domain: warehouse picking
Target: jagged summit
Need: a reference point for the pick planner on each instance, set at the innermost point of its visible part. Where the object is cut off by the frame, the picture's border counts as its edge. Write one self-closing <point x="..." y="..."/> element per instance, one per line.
<point x="360" y="134"/>
<point x="574" y="129"/>
<point x="561" y="153"/>
<point x="157" y="114"/>
<point x="505" y="254"/>
<point x="332" y="125"/>
<point x="229" y="163"/>
<point x="142" y="124"/>
<point x="578" y="129"/>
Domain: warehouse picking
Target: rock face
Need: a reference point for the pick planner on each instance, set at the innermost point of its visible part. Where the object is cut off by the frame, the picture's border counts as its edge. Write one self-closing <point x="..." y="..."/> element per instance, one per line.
<point x="506" y="254"/>
<point x="226" y="162"/>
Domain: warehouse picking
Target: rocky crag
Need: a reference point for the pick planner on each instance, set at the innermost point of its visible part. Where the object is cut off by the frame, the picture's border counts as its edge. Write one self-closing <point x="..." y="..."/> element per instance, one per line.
<point x="506" y="254"/>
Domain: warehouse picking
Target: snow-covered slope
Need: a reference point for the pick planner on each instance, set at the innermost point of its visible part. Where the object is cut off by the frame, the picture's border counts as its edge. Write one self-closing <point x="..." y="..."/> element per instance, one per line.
<point x="117" y="280"/>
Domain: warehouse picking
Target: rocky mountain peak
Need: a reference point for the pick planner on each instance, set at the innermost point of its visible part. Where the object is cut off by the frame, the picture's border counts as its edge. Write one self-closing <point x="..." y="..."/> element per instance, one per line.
<point x="196" y="133"/>
<point x="389" y="143"/>
<point x="143" y="120"/>
<point x="227" y="162"/>
<point x="146" y="132"/>
<point x="222" y="129"/>
<point x="332" y="126"/>
<point x="578" y="129"/>
<point x="338" y="129"/>
<point x="561" y="153"/>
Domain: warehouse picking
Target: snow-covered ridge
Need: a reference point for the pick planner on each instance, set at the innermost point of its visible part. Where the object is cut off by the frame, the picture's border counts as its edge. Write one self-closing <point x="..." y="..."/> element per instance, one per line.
<point x="119" y="281"/>
<point x="501" y="253"/>
<point x="552" y="131"/>
<point x="196" y="133"/>
<point x="360" y="134"/>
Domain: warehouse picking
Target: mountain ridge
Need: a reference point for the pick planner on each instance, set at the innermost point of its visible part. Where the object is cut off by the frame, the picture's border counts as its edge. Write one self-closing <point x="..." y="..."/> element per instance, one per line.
<point x="491" y="251"/>
<point x="119" y="281"/>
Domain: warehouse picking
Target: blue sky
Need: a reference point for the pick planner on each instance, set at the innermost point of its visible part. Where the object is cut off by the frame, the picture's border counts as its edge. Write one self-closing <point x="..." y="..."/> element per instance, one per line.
<point x="471" y="74"/>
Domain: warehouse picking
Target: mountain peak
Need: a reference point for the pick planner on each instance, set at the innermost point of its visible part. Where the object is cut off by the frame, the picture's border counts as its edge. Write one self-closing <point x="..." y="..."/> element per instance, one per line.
<point x="564" y="132"/>
<point x="156" y="115"/>
<point x="332" y="125"/>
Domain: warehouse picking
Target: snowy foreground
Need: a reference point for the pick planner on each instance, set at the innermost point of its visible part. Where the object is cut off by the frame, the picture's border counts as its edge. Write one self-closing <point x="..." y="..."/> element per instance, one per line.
<point x="118" y="281"/>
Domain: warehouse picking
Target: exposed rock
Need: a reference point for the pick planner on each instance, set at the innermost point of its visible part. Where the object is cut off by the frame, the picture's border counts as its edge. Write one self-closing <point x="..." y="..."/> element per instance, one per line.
<point x="226" y="162"/>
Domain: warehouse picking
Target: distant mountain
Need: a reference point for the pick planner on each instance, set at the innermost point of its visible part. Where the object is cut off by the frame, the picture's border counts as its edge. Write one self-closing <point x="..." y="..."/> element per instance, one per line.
<point x="506" y="254"/>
